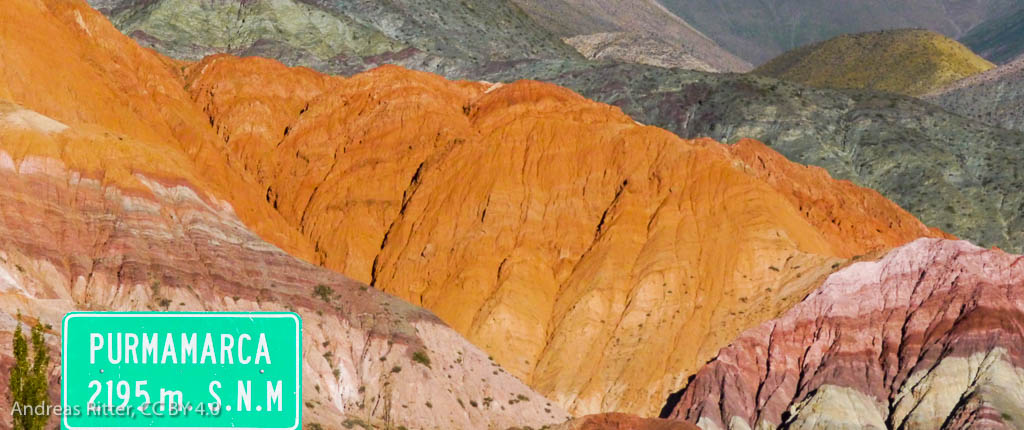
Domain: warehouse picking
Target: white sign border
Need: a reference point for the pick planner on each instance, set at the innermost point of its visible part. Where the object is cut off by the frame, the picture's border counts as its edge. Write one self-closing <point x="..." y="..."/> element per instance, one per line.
<point x="248" y="315"/>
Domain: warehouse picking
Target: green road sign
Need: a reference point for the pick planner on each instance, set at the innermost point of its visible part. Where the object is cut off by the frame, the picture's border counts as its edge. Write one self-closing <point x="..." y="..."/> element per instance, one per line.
<point x="181" y="370"/>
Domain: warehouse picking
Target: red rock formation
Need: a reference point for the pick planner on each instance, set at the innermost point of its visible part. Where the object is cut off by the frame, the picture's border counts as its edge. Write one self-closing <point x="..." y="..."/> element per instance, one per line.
<point x="930" y="336"/>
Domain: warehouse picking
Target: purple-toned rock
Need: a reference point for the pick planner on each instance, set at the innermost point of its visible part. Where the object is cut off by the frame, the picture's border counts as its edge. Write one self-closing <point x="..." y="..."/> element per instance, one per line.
<point x="930" y="336"/>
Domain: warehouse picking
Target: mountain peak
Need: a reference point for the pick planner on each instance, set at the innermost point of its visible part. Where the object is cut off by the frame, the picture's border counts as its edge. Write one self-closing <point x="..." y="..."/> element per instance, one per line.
<point x="910" y="61"/>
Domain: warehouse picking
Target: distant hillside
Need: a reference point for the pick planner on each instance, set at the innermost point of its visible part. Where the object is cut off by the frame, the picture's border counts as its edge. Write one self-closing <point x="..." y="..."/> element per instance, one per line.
<point x="450" y="37"/>
<point x="757" y="30"/>
<point x="590" y="22"/>
<point x="1000" y="40"/>
<point x="343" y="37"/>
<point x="638" y="48"/>
<point x="995" y="97"/>
<point x="910" y="62"/>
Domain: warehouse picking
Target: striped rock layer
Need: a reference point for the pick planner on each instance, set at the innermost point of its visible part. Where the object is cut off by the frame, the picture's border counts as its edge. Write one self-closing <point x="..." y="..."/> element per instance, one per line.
<point x="116" y="196"/>
<point x="931" y="336"/>
<point x="598" y="260"/>
<point x="70" y="240"/>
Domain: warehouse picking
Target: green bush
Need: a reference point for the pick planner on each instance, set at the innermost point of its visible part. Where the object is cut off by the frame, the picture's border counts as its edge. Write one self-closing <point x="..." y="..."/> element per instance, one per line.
<point x="324" y="292"/>
<point x="421" y="358"/>
<point x="29" y="385"/>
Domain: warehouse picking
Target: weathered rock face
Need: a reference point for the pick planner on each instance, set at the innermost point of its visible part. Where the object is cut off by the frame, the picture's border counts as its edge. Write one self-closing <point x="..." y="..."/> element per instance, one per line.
<point x="951" y="172"/>
<point x="335" y="156"/>
<point x="544" y="227"/>
<point x="152" y="239"/>
<point x="927" y="337"/>
<point x="910" y="62"/>
<point x="995" y="97"/>
<point x="116" y="194"/>
<point x="105" y="80"/>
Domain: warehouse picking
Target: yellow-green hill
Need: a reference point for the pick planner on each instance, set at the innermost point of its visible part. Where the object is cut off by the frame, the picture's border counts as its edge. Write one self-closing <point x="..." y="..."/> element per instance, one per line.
<point x="911" y="62"/>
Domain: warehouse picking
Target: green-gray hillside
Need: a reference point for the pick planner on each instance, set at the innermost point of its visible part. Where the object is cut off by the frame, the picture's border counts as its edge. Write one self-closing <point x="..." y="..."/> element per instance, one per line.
<point x="758" y="30"/>
<point x="1000" y="39"/>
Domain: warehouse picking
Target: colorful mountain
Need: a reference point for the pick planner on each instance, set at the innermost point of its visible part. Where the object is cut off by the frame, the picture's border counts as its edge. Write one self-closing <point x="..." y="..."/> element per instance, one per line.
<point x="910" y="62"/>
<point x="598" y="260"/>
<point x="952" y="172"/>
<point x="1000" y="39"/>
<point x="543" y="226"/>
<point x="760" y="30"/>
<point x="898" y="146"/>
<point x="108" y="81"/>
<point x="116" y="197"/>
<point x="73" y="238"/>
<point x="929" y="336"/>
<point x="995" y="97"/>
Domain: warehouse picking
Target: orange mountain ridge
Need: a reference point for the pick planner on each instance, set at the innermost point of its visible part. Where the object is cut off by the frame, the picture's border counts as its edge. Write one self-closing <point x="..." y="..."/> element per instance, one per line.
<point x="597" y="259"/>
<point x="65" y="61"/>
<point x="108" y="213"/>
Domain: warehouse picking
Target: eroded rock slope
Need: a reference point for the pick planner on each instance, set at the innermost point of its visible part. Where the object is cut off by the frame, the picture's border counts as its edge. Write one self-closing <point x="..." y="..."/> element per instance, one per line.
<point x="544" y="227"/>
<point x="952" y="172"/>
<point x="65" y="61"/>
<point x="115" y="195"/>
<point x="928" y="337"/>
<point x="155" y="240"/>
